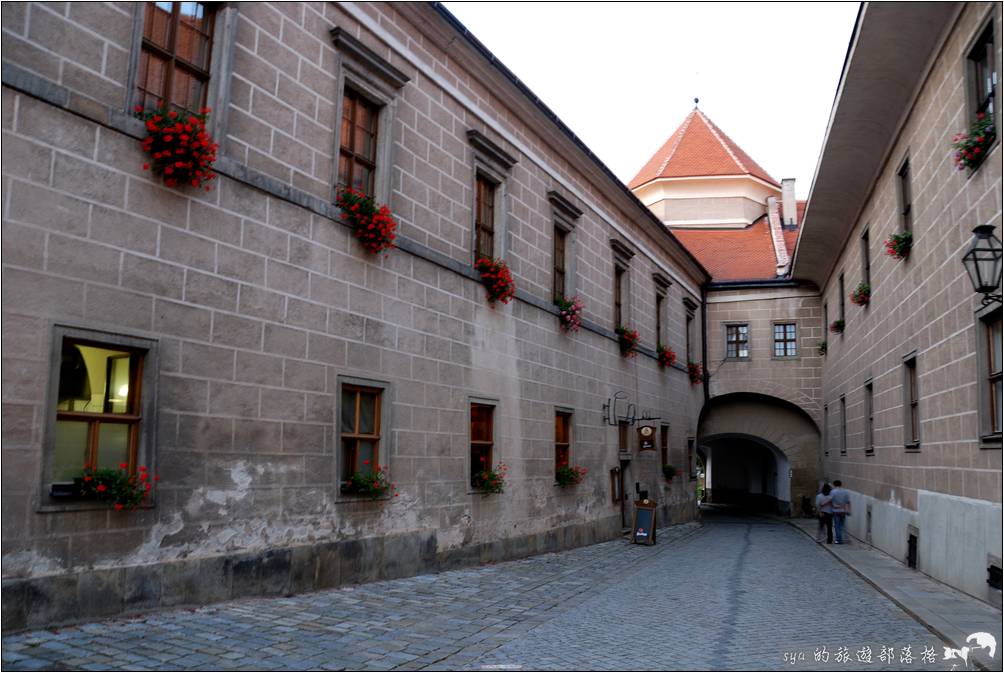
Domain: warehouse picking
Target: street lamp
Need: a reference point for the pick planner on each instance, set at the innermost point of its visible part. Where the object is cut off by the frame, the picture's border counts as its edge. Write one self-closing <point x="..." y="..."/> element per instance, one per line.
<point x="983" y="263"/>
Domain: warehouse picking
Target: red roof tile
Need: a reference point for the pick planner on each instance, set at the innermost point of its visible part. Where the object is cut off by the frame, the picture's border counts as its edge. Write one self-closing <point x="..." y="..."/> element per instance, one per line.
<point x="734" y="254"/>
<point x="697" y="148"/>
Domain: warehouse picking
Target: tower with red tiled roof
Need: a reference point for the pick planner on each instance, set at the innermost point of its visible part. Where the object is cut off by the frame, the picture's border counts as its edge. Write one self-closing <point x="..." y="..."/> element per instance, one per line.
<point x="721" y="204"/>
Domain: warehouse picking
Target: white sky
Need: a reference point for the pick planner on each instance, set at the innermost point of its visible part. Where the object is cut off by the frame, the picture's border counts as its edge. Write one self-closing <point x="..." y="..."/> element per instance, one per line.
<point x="623" y="75"/>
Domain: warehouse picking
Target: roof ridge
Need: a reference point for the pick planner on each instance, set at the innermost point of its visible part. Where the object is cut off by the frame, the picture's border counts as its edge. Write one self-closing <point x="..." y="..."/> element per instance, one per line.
<point x="679" y="138"/>
<point x="715" y="132"/>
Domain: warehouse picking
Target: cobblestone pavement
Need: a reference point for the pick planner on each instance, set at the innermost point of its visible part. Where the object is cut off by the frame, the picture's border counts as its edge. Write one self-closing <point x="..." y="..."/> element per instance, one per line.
<point x="734" y="594"/>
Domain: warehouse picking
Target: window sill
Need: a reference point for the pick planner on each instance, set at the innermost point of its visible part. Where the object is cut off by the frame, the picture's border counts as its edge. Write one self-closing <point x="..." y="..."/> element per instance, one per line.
<point x="913" y="447"/>
<point x="348" y="495"/>
<point x="785" y="357"/>
<point x="991" y="442"/>
<point x="81" y="504"/>
<point x="990" y="150"/>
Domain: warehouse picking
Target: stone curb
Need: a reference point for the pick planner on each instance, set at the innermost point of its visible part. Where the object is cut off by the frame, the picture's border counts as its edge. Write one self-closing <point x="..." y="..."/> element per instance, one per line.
<point x="927" y="625"/>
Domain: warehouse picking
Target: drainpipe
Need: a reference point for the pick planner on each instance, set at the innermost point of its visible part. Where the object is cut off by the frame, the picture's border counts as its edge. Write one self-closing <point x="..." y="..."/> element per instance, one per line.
<point x="704" y="340"/>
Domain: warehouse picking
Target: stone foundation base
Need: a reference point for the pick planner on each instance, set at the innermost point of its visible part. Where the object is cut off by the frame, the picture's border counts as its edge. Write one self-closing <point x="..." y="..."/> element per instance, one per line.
<point x="56" y="600"/>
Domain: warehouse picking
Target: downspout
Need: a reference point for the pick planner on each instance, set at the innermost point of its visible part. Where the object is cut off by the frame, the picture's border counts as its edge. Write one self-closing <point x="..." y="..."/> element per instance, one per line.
<point x="704" y="341"/>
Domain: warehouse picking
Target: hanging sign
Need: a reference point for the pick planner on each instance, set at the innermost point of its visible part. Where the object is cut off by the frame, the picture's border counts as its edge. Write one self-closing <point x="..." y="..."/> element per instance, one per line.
<point x="646" y="438"/>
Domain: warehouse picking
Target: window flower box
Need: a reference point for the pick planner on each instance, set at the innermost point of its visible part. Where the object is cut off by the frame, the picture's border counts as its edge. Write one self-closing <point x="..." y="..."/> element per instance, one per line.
<point x="822" y="348"/>
<point x="668" y="472"/>
<point x="490" y="481"/>
<point x="569" y="313"/>
<point x="898" y="246"/>
<point x="374" y="484"/>
<point x="119" y="488"/>
<point x="972" y="148"/>
<point x="665" y="355"/>
<point x="570" y="475"/>
<point x="837" y="326"/>
<point x="182" y="151"/>
<point x="374" y="226"/>
<point x="862" y="294"/>
<point x="695" y="372"/>
<point x="627" y="340"/>
<point x="497" y="279"/>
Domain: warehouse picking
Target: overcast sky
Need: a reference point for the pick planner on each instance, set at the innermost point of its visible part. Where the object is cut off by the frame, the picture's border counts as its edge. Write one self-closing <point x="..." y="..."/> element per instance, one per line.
<point x="623" y="76"/>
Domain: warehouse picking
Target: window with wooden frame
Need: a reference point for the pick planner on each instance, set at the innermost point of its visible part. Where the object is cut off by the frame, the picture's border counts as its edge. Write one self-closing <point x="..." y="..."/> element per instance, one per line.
<point x="843" y="298"/>
<point x="174" y="55"/>
<point x="360" y="429"/>
<point x="660" y="299"/>
<point x="623" y="437"/>
<point x="843" y="425"/>
<point x="905" y="197"/>
<point x="357" y="153"/>
<point x="687" y="331"/>
<point x="911" y="403"/>
<point x="737" y="342"/>
<point x="982" y="75"/>
<point x="785" y="340"/>
<point x="664" y="444"/>
<point x="98" y="411"/>
<point x="691" y="471"/>
<point x="826" y="429"/>
<point x="618" y="295"/>
<point x="560" y="240"/>
<point x="869" y="419"/>
<point x="484" y="217"/>
<point x="482" y="438"/>
<point x="992" y="383"/>
<point x="866" y="259"/>
<point x="562" y="439"/>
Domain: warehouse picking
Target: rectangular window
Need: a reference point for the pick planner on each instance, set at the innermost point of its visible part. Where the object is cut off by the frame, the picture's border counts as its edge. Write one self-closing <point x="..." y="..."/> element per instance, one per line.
<point x="358" y="140"/>
<point x="484" y="218"/>
<point x="866" y="259"/>
<point x="826" y="430"/>
<point x="982" y="75"/>
<point x="691" y="472"/>
<point x="843" y="425"/>
<point x="174" y="55"/>
<point x="560" y="238"/>
<point x="98" y="410"/>
<point x="482" y="438"/>
<point x="623" y="445"/>
<point x="785" y="340"/>
<point x="659" y="299"/>
<point x="826" y="319"/>
<point x="911" y="402"/>
<point x="664" y="444"/>
<point x="905" y="197"/>
<point x="360" y="430"/>
<point x="618" y="295"/>
<point x="843" y="298"/>
<point x="689" y="329"/>
<point x="562" y="439"/>
<point x="869" y="420"/>
<point x="992" y="382"/>
<point x="737" y="341"/>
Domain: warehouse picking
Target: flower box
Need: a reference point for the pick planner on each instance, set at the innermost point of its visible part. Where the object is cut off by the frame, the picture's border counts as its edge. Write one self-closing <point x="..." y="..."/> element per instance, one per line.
<point x="665" y="355"/>
<point x="497" y="279"/>
<point x="837" y="326"/>
<point x="668" y="472"/>
<point x="695" y="372"/>
<point x="822" y="348"/>
<point x="181" y="151"/>
<point x="569" y="313"/>
<point x="627" y="340"/>
<point x="373" y="226"/>
<point x="119" y="488"/>
<point x="570" y="475"/>
<point x="862" y="294"/>
<point x="898" y="246"/>
<point x="491" y="481"/>
<point x="973" y="147"/>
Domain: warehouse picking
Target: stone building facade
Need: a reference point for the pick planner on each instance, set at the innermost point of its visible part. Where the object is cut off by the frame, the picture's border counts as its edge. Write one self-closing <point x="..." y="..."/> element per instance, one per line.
<point x="912" y="425"/>
<point x="244" y="337"/>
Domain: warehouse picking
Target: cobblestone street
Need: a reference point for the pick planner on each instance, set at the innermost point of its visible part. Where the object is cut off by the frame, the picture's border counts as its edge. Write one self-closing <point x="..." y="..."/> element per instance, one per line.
<point x="734" y="594"/>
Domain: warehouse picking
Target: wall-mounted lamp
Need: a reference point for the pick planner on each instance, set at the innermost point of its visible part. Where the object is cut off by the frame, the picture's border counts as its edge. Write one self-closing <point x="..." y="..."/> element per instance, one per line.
<point x="983" y="263"/>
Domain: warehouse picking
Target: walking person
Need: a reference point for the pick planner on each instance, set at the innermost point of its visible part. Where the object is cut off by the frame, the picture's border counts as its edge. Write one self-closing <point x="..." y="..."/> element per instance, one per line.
<point x="841" y="502"/>
<point x="824" y="512"/>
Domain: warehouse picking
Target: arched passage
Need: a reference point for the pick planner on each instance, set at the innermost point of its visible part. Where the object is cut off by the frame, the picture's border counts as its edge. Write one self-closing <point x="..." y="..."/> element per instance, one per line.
<point x="759" y="451"/>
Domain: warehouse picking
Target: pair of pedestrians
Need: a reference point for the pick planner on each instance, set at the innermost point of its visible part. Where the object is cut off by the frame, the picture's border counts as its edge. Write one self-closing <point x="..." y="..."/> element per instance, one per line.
<point x="833" y="506"/>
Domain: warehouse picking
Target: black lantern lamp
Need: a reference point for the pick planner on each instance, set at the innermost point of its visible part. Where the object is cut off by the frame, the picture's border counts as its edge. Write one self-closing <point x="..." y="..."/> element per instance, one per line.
<point x="983" y="263"/>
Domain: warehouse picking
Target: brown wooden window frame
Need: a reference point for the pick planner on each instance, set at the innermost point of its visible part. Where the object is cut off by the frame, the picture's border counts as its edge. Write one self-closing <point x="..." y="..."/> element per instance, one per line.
<point x="869" y="413"/>
<point x="981" y="72"/>
<point x="172" y="60"/>
<point x="737" y="341"/>
<point x="485" y="195"/>
<point x="352" y="102"/>
<point x="994" y="377"/>
<point x="482" y="447"/>
<point x="905" y="199"/>
<point x="562" y="438"/>
<point x="788" y="340"/>
<point x="660" y="300"/>
<point x="664" y="443"/>
<point x="560" y="270"/>
<point x="350" y="458"/>
<point x="843" y="425"/>
<point x="866" y="258"/>
<point x="619" y="272"/>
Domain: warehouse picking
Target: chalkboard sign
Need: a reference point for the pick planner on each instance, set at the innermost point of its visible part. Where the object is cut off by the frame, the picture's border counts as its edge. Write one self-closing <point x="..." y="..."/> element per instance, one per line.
<point x="643" y="528"/>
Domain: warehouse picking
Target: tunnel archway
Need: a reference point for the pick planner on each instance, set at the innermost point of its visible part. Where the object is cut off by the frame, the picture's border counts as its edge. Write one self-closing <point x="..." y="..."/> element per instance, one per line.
<point x="760" y="452"/>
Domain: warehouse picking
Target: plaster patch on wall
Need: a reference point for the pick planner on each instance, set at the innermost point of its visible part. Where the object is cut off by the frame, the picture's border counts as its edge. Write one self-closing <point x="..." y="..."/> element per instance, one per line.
<point x="29" y="564"/>
<point x="150" y="550"/>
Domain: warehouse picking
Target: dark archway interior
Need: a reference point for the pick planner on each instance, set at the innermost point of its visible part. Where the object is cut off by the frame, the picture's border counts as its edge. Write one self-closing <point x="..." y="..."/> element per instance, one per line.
<point x="746" y="473"/>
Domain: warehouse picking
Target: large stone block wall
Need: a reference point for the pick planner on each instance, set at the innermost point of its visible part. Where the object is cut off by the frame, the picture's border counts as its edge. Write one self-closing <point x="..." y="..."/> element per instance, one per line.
<point x="925" y="305"/>
<point x="259" y="300"/>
